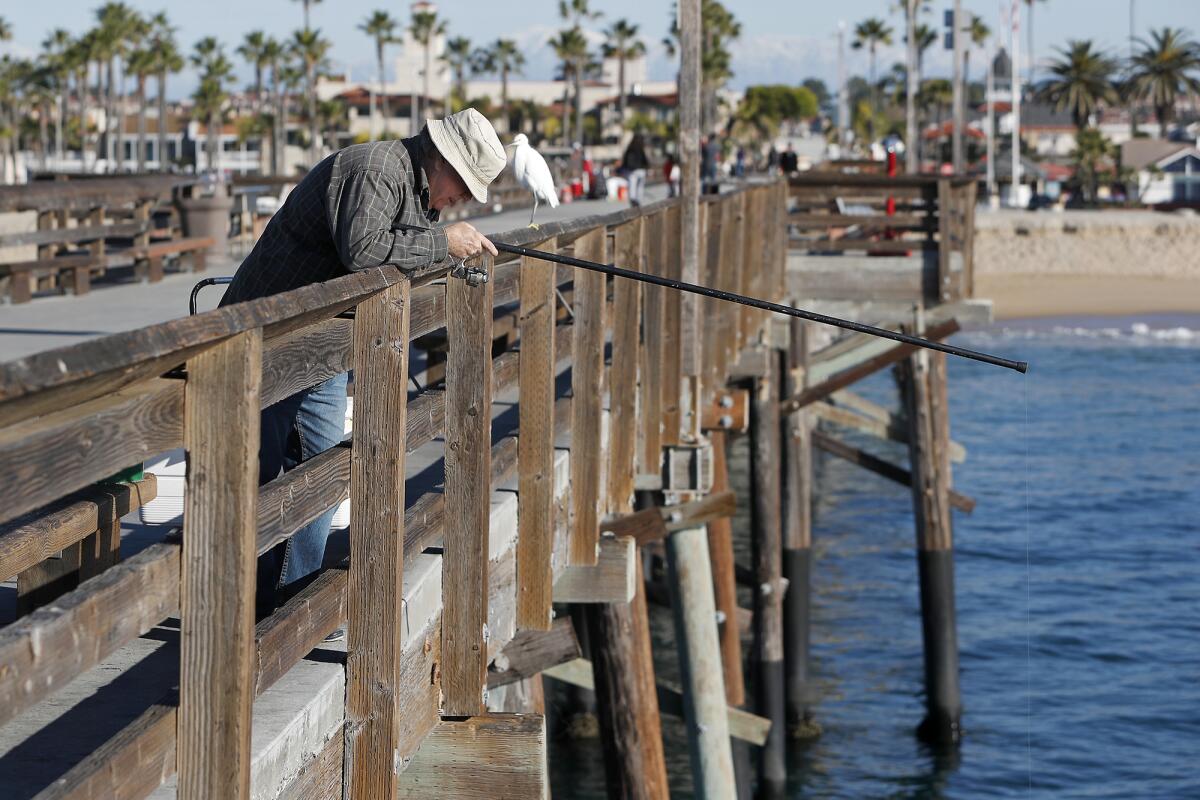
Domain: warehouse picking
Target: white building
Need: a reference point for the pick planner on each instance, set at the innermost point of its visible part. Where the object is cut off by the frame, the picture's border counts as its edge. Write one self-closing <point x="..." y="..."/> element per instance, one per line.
<point x="1168" y="172"/>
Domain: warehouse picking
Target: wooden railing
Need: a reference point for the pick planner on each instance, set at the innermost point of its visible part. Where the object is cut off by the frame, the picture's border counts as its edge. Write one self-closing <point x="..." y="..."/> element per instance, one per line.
<point x="71" y="418"/>
<point x="835" y="212"/>
<point x="82" y="217"/>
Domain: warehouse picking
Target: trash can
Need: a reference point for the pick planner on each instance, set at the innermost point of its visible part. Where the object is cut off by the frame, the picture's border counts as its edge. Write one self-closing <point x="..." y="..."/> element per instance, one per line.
<point x="208" y="215"/>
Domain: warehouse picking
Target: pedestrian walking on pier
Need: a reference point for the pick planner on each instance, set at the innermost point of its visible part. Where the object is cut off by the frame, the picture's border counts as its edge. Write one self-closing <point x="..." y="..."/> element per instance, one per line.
<point x="634" y="164"/>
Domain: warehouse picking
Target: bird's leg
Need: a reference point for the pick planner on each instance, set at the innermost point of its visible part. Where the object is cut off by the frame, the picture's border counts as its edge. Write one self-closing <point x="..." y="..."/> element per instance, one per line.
<point x="533" y="224"/>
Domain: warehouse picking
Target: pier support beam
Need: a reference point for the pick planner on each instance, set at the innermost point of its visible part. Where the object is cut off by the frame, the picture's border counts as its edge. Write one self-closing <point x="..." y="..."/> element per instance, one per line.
<point x="797" y="537"/>
<point x="767" y="547"/>
<point x="626" y="699"/>
<point x="923" y="392"/>
<point x="705" y="712"/>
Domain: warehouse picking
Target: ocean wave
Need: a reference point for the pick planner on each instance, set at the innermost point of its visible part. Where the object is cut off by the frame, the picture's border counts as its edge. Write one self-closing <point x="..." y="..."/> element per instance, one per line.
<point x="1136" y="333"/>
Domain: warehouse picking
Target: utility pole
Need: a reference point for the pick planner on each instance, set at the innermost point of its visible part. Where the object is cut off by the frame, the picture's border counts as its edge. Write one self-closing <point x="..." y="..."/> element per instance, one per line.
<point x="1133" y="129"/>
<point x="843" y="110"/>
<point x="689" y="570"/>
<point x="960" y="116"/>
<point x="1014" y="198"/>
<point x="993" y="199"/>
<point x="911" y="150"/>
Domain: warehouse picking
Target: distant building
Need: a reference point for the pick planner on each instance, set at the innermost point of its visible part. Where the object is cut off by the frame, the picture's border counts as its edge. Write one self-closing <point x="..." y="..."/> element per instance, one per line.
<point x="1167" y="172"/>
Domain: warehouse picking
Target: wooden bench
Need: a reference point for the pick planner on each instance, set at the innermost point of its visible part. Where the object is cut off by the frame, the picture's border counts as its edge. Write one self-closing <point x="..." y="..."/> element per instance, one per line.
<point x="23" y="275"/>
<point x="148" y="259"/>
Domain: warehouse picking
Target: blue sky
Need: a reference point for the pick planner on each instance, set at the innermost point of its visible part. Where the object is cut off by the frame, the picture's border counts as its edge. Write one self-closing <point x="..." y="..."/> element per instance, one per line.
<point x="782" y="41"/>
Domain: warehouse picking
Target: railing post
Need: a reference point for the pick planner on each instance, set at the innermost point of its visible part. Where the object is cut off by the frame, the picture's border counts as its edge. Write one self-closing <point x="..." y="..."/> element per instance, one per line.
<point x="650" y="385"/>
<point x="217" y="569"/>
<point x="672" y="373"/>
<point x="587" y="389"/>
<point x="374" y="591"/>
<point x="535" y="444"/>
<point x="468" y="495"/>
<point x="626" y="349"/>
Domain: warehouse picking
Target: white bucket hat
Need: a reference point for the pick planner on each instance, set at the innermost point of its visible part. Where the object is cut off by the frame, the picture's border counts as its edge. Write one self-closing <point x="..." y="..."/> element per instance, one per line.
<point x="469" y="142"/>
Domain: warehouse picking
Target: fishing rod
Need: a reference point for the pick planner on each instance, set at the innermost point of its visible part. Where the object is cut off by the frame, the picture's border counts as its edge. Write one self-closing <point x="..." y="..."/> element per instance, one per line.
<point x="765" y="305"/>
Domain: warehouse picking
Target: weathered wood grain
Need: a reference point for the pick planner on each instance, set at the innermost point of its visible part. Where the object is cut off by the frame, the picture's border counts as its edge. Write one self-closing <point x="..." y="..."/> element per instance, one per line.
<point x="374" y="591"/>
<point x="54" y="379"/>
<point x="24" y="542"/>
<point x="650" y="392"/>
<point x="468" y="496"/>
<point x="305" y="358"/>
<point x="531" y="651"/>
<point x="610" y="580"/>
<point x="320" y="778"/>
<point x="47" y="649"/>
<point x="41" y="461"/>
<point x="217" y="570"/>
<point x="587" y="389"/>
<point x="720" y="548"/>
<point x="489" y="757"/>
<point x="672" y="371"/>
<point x="535" y="481"/>
<point x="626" y="355"/>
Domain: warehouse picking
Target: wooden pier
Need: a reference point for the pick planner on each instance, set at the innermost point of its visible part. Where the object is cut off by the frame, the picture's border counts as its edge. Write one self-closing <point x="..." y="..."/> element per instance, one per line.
<point x="573" y="422"/>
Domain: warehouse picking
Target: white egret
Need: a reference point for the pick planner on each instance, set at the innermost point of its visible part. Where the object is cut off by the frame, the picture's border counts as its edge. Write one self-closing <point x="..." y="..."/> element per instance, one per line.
<point x="533" y="173"/>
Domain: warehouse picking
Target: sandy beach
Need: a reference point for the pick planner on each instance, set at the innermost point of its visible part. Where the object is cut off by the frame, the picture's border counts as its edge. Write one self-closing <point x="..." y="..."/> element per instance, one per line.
<point x="1040" y="264"/>
<point x="1019" y="295"/>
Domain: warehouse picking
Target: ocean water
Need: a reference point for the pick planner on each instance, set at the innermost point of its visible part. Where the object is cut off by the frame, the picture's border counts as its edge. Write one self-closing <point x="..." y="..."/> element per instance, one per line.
<point x="1078" y="585"/>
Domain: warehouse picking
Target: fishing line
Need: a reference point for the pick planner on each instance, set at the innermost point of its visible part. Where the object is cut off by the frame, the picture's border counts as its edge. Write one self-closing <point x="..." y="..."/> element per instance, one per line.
<point x="1028" y="601"/>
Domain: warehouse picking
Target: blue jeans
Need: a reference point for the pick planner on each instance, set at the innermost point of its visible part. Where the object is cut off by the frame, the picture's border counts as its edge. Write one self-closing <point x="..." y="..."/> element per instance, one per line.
<point x="294" y="430"/>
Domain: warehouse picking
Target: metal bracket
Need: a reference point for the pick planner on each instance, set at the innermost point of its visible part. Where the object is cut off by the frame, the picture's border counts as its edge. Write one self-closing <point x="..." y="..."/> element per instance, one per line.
<point x="688" y="468"/>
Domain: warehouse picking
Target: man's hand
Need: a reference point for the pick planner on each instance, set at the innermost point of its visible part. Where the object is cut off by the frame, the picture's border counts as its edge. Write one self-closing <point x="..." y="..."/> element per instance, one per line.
<point x="466" y="242"/>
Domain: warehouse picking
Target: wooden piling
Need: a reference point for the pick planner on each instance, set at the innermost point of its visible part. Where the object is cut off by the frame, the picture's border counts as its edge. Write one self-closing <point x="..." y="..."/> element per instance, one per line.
<point x="769" y="588"/>
<point x="720" y="548"/>
<point x="797" y="535"/>
<point x="626" y="699"/>
<point x="922" y="383"/>
<point x="705" y="712"/>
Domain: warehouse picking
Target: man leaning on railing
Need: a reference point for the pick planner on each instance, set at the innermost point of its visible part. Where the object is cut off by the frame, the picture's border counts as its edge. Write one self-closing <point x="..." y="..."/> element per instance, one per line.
<point x="368" y="205"/>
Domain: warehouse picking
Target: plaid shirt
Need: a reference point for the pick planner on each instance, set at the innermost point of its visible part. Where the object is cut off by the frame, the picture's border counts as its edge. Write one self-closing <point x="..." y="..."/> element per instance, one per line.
<point x="355" y="210"/>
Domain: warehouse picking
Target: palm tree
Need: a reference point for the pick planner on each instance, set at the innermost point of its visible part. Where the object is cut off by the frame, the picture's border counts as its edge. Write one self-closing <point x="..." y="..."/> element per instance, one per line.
<point x="459" y="58"/>
<point x="927" y="37"/>
<point x="502" y="57"/>
<point x="382" y="28"/>
<point x="623" y="44"/>
<point x="273" y="55"/>
<point x="1082" y="80"/>
<point x="210" y="96"/>
<point x="977" y="33"/>
<point x="570" y="47"/>
<point x="425" y="28"/>
<point x="122" y="30"/>
<point x="311" y="49"/>
<point x="1029" y="58"/>
<point x="142" y="63"/>
<point x="168" y="61"/>
<point x="307" y="3"/>
<point x="56" y="46"/>
<point x="1162" y="70"/>
<point x="251" y="49"/>
<point x="79" y="58"/>
<point x="1092" y="151"/>
<point x="870" y="33"/>
<point x="577" y="12"/>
